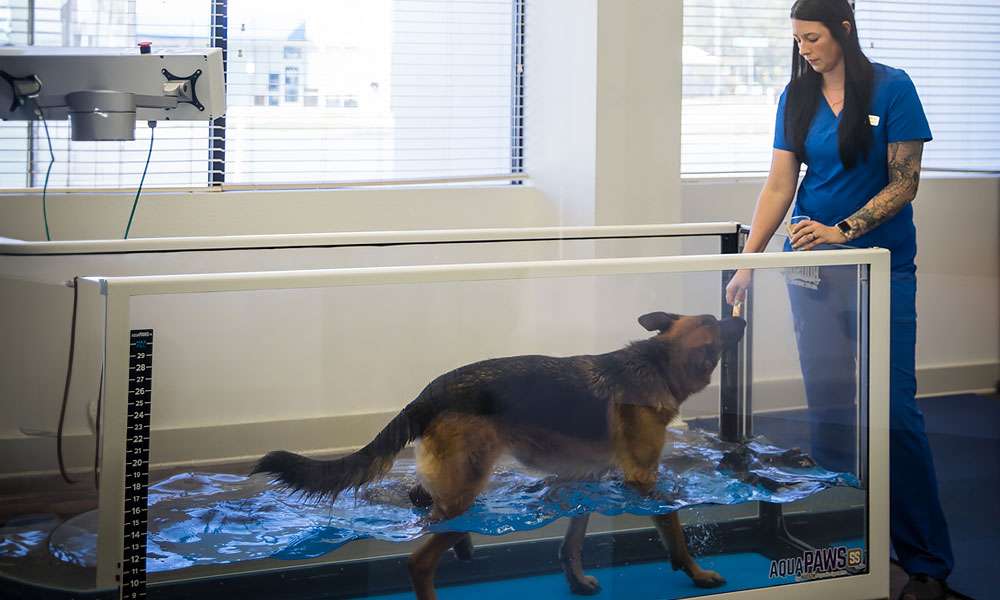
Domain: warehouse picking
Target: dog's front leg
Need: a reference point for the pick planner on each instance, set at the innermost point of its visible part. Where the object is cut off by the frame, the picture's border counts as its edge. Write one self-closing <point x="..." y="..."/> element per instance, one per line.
<point x="638" y="454"/>
<point x="572" y="563"/>
<point x="672" y="535"/>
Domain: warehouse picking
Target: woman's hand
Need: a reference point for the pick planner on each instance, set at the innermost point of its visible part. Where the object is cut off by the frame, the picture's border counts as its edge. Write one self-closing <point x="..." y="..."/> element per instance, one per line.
<point x="736" y="289"/>
<point x="807" y="234"/>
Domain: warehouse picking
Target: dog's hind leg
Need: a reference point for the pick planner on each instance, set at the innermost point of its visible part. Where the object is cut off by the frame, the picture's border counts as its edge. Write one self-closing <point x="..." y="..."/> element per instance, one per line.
<point x="455" y="459"/>
<point x="421" y="498"/>
<point x="672" y="535"/>
<point x="572" y="563"/>
<point x="423" y="563"/>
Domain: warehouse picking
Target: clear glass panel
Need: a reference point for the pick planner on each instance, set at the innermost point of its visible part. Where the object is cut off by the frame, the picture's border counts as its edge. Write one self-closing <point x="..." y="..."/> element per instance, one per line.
<point x="48" y="445"/>
<point x="232" y="376"/>
<point x="324" y="370"/>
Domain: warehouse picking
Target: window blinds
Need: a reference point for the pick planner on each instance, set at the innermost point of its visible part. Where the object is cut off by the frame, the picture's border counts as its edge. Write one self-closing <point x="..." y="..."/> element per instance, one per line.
<point x="370" y="90"/>
<point x="951" y="50"/>
<point x="737" y="60"/>
<point x="317" y="91"/>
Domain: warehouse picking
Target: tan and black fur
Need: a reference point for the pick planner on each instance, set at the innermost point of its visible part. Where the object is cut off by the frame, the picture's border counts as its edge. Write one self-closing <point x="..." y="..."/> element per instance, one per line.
<point x="575" y="417"/>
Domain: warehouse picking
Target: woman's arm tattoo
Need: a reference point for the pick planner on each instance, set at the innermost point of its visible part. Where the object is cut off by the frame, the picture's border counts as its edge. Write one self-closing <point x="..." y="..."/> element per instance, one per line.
<point x="904" y="178"/>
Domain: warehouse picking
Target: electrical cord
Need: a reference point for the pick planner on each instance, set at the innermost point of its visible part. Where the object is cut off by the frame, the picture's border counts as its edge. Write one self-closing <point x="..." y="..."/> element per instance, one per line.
<point x="72" y="335"/>
<point x="97" y="432"/>
<point x="52" y="160"/>
<point x="152" y="129"/>
<point x="69" y="378"/>
<point x="65" y="401"/>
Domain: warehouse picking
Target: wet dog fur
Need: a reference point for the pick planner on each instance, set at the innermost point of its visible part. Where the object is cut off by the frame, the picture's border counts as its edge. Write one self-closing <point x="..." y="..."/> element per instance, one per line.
<point x="575" y="417"/>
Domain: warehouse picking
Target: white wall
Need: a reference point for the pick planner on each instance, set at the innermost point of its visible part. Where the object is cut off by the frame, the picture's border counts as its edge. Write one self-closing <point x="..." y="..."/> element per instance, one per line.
<point x="603" y="109"/>
<point x="603" y="123"/>
<point x="638" y="112"/>
<point x="561" y="105"/>
<point x="104" y="216"/>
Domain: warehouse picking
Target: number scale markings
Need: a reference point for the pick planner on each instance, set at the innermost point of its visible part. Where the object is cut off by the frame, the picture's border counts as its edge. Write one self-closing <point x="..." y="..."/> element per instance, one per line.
<point x="140" y="387"/>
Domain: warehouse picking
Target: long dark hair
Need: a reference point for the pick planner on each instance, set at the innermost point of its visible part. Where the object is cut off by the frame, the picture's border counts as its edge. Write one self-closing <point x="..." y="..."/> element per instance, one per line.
<point x="854" y="134"/>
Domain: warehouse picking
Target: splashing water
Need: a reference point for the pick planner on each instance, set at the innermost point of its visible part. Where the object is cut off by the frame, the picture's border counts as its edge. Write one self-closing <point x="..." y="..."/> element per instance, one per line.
<point x="204" y="518"/>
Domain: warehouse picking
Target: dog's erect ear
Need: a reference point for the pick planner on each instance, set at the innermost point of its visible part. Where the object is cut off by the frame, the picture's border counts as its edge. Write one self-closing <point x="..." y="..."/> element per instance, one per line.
<point x="658" y="321"/>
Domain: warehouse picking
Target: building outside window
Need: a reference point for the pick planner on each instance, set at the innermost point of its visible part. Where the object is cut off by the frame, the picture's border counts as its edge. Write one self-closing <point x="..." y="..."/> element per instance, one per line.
<point x="291" y="84"/>
<point x="374" y="90"/>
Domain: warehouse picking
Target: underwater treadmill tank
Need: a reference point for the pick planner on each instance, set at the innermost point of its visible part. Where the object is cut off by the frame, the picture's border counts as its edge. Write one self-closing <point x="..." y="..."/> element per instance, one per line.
<point x="200" y="375"/>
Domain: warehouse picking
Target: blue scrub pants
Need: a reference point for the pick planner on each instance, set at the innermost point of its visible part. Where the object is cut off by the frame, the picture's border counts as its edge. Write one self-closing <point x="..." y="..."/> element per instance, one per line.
<point x="825" y="322"/>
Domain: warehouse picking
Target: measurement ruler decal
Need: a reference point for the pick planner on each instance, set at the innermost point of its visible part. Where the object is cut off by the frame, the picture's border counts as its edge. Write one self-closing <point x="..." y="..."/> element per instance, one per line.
<point x="140" y="387"/>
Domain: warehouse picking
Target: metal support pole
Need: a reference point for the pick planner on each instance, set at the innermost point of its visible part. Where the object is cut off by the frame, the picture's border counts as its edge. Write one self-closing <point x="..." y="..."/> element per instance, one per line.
<point x="861" y="395"/>
<point x="736" y="412"/>
<point x="734" y="418"/>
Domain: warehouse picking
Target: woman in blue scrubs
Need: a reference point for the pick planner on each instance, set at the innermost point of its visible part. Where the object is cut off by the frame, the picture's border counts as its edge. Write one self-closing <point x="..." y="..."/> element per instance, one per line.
<point x="859" y="128"/>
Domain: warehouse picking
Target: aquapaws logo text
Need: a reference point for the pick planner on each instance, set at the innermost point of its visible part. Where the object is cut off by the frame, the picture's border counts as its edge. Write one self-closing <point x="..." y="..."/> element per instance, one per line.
<point x="817" y="562"/>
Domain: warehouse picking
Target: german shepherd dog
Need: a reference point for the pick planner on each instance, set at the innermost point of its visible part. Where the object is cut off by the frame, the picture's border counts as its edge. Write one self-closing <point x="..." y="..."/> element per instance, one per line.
<point x="575" y="417"/>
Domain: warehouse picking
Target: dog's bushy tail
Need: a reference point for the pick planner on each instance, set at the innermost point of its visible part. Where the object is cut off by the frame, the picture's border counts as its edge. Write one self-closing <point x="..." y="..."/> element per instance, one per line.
<point x="328" y="478"/>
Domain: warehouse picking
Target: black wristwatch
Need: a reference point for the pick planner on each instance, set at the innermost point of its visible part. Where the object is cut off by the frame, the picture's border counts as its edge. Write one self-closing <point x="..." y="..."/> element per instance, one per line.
<point x="846" y="229"/>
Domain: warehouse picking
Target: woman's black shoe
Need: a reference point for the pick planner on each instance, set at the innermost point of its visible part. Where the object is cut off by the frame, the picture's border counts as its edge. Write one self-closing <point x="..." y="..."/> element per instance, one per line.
<point x="924" y="587"/>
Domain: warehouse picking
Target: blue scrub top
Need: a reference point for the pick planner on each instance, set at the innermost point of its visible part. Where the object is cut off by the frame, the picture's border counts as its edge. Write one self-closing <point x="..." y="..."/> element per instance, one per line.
<point x="829" y="193"/>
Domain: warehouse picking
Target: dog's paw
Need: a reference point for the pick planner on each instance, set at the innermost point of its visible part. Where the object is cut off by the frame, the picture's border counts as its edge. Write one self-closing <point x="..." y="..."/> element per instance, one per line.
<point x="420" y="497"/>
<point x="588" y="586"/>
<point x="707" y="579"/>
<point x="463" y="549"/>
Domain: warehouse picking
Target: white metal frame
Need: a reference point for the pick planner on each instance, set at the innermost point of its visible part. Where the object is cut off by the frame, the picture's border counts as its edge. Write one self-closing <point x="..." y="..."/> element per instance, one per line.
<point x="118" y="292"/>
<point x="381" y="238"/>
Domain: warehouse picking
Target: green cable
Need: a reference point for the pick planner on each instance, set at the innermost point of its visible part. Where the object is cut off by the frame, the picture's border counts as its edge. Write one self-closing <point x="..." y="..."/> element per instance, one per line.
<point x="52" y="160"/>
<point x="152" y="130"/>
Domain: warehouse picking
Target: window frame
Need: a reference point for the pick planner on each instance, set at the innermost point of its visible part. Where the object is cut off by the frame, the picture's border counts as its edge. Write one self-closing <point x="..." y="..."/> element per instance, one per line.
<point x="216" y="156"/>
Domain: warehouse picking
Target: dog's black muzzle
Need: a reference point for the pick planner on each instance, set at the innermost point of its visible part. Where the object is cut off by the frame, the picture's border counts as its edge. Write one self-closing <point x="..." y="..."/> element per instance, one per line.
<point x="732" y="329"/>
